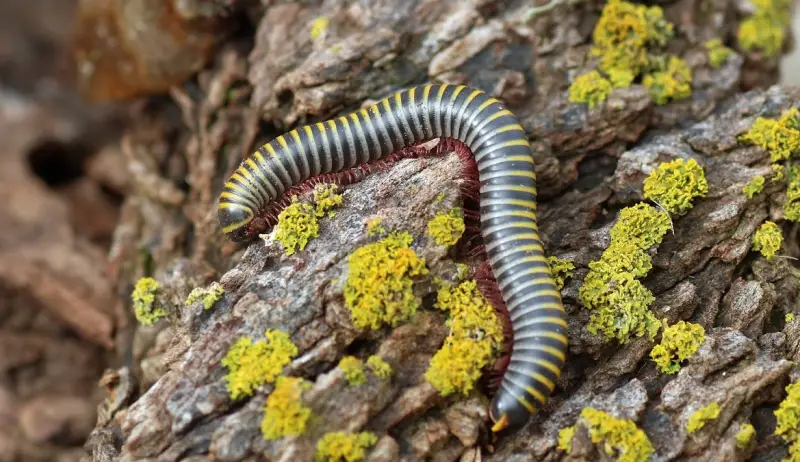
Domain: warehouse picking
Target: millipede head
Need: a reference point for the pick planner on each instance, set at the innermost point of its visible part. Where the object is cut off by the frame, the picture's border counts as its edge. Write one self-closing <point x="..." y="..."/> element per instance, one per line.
<point x="234" y="219"/>
<point x="507" y="413"/>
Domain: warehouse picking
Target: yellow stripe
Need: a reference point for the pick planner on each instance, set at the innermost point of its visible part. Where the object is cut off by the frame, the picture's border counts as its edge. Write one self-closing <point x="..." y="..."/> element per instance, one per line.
<point x="321" y="127"/>
<point x="518" y="188"/>
<point x="522" y="158"/>
<point x="524" y="236"/>
<point x="499" y="114"/>
<point x="296" y="137"/>
<point x="458" y="90"/>
<point x="256" y="169"/>
<point x="230" y="196"/>
<point x="551" y="350"/>
<point x="411" y="97"/>
<point x="398" y="100"/>
<point x="472" y="96"/>
<point x="332" y="126"/>
<point x="550" y="292"/>
<point x="509" y="128"/>
<point x="517" y="213"/>
<point x="282" y="142"/>
<point x="542" y="379"/>
<point x="309" y="133"/>
<point x="386" y="105"/>
<point x="558" y="321"/>
<point x="536" y="394"/>
<point x="547" y="365"/>
<point x="259" y="158"/>
<point x="343" y="120"/>
<point x="524" y="402"/>
<point x="486" y="104"/>
<point x="270" y="150"/>
<point x="518" y="202"/>
<point x="523" y="173"/>
<point x="555" y="336"/>
<point x="364" y="113"/>
<point x="519" y="142"/>
<point x="426" y="92"/>
<point x="357" y="122"/>
<point x="441" y="93"/>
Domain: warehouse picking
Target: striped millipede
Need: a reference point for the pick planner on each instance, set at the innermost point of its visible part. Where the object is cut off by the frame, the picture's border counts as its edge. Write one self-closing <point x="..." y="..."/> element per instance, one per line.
<point x="507" y="208"/>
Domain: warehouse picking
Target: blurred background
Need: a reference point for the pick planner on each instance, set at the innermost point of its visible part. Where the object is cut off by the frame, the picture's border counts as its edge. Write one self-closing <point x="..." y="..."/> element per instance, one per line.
<point x="65" y="172"/>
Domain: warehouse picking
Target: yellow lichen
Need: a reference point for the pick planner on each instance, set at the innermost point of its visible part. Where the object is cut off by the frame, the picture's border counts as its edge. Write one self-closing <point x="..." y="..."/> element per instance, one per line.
<point x="253" y="364"/>
<point x="768" y="239"/>
<point x="755" y="186"/>
<point x="379" y="286"/>
<point x="788" y="420"/>
<point x="353" y="370"/>
<point x="374" y="227"/>
<point x="318" y="27"/>
<point x="284" y="413"/>
<point x="209" y="295"/>
<point x="781" y="138"/>
<point x="457" y="366"/>
<point x="326" y="199"/>
<point x="561" y="269"/>
<point x="145" y="306"/>
<point x="672" y="84"/>
<point x="792" y="206"/>
<point x="446" y="228"/>
<point x="789" y="317"/>
<point x="565" y="438"/>
<point x="297" y="224"/>
<point x="379" y="367"/>
<point x="621" y="438"/>
<point x="475" y="336"/>
<point x="674" y="185"/>
<point x="622" y="35"/>
<point x="703" y="415"/>
<point x="344" y="447"/>
<point x="590" y="88"/>
<point x="717" y="52"/>
<point x="765" y="30"/>
<point x="678" y="342"/>
<point x="745" y="435"/>
<point x="618" y="300"/>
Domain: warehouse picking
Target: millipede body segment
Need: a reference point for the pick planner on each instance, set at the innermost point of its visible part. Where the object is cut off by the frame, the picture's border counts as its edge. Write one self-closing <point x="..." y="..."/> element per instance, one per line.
<point x="507" y="208"/>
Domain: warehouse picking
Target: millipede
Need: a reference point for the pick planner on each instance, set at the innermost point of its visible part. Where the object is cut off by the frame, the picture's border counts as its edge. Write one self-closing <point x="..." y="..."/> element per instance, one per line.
<point x="507" y="206"/>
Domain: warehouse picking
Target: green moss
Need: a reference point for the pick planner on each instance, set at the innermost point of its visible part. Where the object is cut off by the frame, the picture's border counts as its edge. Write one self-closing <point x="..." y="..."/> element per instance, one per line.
<point x="284" y="413"/>
<point x="379" y="367"/>
<point x="618" y="300"/>
<point x="379" y="286"/>
<point x="353" y="370"/>
<point x="674" y="185"/>
<point x="344" y="447"/>
<point x="297" y="224"/>
<point x="672" y="84"/>
<point x="705" y="414"/>
<point x="326" y="199"/>
<point x="475" y="335"/>
<point x="622" y="35"/>
<point x="765" y="30"/>
<point x="318" y="27"/>
<point x="209" y="295"/>
<point x="621" y="438"/>
<point x="565" y="438"/>
<point x="745" y="435"/>
<point x="590" y="88"/>
<point x="446" y="228"/>
<point x="374" y="227"/>
<point x="145" y="306"/>
<point x="755" y="186"/>
<point x="781" y="138"/>
<point x="561" y="269"/>
<point x="768" y="239"/>
<point x="717" y="52"/>
<point x="678" y="342"/>
<point x="253" y="364"/>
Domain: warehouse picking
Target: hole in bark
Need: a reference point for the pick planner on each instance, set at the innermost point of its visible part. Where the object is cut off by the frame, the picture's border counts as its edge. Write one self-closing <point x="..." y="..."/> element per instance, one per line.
<point x="56" y="162"/>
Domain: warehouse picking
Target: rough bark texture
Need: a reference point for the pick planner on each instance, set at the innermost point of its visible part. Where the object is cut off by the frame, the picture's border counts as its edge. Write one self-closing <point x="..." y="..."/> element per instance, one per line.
<point x="64" y="302"/>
